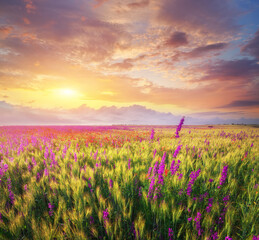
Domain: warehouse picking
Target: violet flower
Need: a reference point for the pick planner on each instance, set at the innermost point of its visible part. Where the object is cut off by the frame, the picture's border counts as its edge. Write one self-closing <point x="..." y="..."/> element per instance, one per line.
<point x="129" y="163"/>
<point x="177" y="150"/>
<point x="174" y="167"/>
<point x="152" y="134"/>
<point x="193" y="177"/>
<point x="105" y="215"/>
<point x="223" y="175"/>
<point x="151" y="188"/>
<point x="197" y="219"/>
<point x="11" y="195"/>
<point x="170" y="233"/>
<point x="111" y="183"/>
<point x="50" y="209"/>
<point x="154" y="153"/>
<point x="179" y="128"/>
<point x="208" y="208"/>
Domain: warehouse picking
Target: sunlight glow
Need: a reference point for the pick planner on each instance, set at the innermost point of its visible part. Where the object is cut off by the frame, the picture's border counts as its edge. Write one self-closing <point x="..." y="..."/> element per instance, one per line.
<point x="67" y="92"/>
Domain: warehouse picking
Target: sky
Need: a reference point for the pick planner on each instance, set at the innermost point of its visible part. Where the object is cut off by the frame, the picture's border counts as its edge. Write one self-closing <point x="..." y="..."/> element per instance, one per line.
<point x="129" y="61"/>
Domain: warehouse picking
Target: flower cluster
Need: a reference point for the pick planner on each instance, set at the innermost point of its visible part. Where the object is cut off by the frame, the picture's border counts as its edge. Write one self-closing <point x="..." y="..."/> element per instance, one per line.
<point x="152" y="134"/>
<point x="160" y="181"/>
<point x="224" y="174"/>
<point x="105" y="215"/>
<point x="129" y="163"/>
<point x="193" y="177"/>
<point x="151" y="188"/>
<point x="177" y="151"/>
<point x="11" y="195"/>
<point x="174" y="167"/>
<point x="3" y="170"/>
<point x="111" y="183"/>
<point x="208" y="208"/>
<point x="50" y="209"/>
<point x="170" y="233"/>
<point x="179" y="128"/>
<point x="197" y="219"/>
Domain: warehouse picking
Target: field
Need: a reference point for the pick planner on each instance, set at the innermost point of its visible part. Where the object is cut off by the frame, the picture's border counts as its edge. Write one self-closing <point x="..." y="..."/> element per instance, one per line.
<point x="129" y="182"/>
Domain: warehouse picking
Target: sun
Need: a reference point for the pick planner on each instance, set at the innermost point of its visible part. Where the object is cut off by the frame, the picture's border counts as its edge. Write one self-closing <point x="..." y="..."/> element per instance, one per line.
<point x="67" y="92"/>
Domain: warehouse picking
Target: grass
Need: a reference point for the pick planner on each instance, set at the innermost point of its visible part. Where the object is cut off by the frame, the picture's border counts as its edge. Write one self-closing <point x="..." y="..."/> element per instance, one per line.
<point x="71" y="168"/>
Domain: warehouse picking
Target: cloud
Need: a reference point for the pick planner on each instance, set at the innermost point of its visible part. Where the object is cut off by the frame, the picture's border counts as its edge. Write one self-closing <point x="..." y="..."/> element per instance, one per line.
<point x="126" y="64"/>
<point x="177" y="39"/>
<point x="200" y="51"/>
<point x="252" y="47"/>
<point x="140" y="4"/>
<point x="99" y="2"/>
<point x="242" y="103"/>
<point x="205" y="16"/>
<point x="135" y="114"/>
<point x="240" y="70"/>
<point x="5" y="31"/>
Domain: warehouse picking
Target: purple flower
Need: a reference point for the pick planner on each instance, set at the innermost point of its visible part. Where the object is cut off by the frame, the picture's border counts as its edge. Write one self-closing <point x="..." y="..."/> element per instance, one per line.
<point x="25" y="187"/>
<point x="160" y="180"/>
<point x="256" y="237"/>
<point x="170" y="233"/>
<point x="9" y="186"/>
<point x="179" y="128"/>
<point x="105" y="215"/>
<point x="111" y="183"/>
<point x="228" y="238"/>
<point x="50" y="209"/>
<point x="46" y="172"/>
<point x="129" y="163"/>
<point x="193" y="177"/>
<point x="151" y="188"/>
<point x="208" y="208"/>
<point x="224" y="174"/>
<point x="152" y="134"/>
<point x="75" y="157"/>
<point x="91" y="220"/>
<point x="252" y="144"/>
<point x="154" y="153"/>
<point x="189" y="219"/>
<point x="177" y="150"/>
<point x="155" y="169"/>
<point x="210" y="180"/>
<point x="197" y="219"/>
<point x="214" y="236"/>
<point x="226" y="199"/>
<point x="174" y="167"/>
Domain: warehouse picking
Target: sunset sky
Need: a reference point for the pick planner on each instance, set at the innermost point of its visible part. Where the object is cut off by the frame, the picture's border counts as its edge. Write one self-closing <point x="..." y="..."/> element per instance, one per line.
<point x="120" y="61"/>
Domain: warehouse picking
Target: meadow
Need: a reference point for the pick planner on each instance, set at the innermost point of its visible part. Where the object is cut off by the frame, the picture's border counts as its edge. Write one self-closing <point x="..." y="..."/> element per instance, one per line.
<point x="129" y="182"/>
